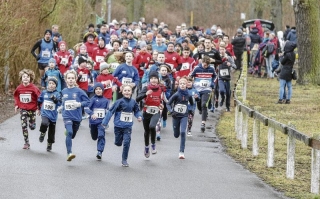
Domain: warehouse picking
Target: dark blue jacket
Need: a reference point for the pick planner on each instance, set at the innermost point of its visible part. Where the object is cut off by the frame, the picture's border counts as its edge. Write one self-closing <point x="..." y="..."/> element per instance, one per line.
<point x="49" y="106"/>
<point x="123" y="70"/>
<point x="254" y="37"/>
<point x="99" y="106"/>
<point x="179" y="102"/>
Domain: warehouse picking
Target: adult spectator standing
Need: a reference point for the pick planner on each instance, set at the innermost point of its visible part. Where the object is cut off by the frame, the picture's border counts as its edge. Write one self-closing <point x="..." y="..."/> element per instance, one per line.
<point x="45" y="47"/>
<point x="90" y="30"/>
<point x="238" y="43"/>
<point x="286" y="32"/>
<point x="55" y="29"/>
<point x="254" y="36"/>
<point x="269" y="59"/>
<point x="104" y="33"/>
<point x="159" y="46"/>
<point x="292" y="35"/>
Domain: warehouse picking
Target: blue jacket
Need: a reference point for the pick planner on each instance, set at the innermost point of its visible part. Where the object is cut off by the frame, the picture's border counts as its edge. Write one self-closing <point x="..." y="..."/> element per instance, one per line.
<point x="132" y="43"/>
<point x="53" y="73"/>
<point x="122" y="106"/>
<point x="49" y="106"/>
<point x="99" y="106"/>
<point x="192" y="91"/>
<point x="105" y="36"/>
<point x="77" y="95"/>
<point x="93" y="75"/>
<point x="161" y="48"/>
<point x="292" y="36"/>
<point x="123" y="70"/>
<point x="204" y="78"/>
<point x="178" y="103"/>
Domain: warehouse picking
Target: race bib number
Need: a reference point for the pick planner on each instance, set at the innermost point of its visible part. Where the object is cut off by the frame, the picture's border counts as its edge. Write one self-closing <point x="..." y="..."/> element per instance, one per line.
<point x="204" y="83"/>
<point x="84" y="78"/>
<point x="185" y="66"/>
<point x="126" y="117"/>
<point x="224" y="72"/>
<point x="126" y="80"/>
<point x="45" y="54"/>
<point x="108" y="85"/>
<point x="64" y="61"/>
<point x="152" y="109"/>
<point x="69" y="105"/>
<point x="100" y="112"/>
<point x="100" y="59"/>
<point x="25" y="98"/>
<point x="48" y="105"/>
<point x="171" y="66"/>
<point x="180" y="108"/>
<point x="114" y="65"/>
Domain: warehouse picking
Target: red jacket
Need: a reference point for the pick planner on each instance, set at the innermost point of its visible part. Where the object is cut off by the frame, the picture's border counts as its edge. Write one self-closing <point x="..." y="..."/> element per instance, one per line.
<point x="142" y="57"/>
<point x="173" y="59"/>
<point x="153" y="99"/>
<point x="90" y="48"/>
<point x="187" y="66"/>
<point x="108" y="88"/>
<point x="64" y="61"/>
<point x="83" y="79"/>
<point x="229" y="48"/>
<point x="98" y="56"/>
<point x="26" y="97"/>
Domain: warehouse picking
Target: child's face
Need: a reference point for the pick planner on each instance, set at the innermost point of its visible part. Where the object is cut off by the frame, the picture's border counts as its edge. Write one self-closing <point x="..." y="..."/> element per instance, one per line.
<point x="127" y="91"/>
<point x="51" y="86"/>
<point x="154" y="80"/>
<point x="83" y="51"/>
<point x="189" y="84"/>
<point x="183" y="84"/>
<point x="25" y="79"/>
<point x="62" y="47"/>
<point x="71" y="79"/>
<point x="163" y="71"/>
<point x="51" y="65"/>
<point x="89" y="67"/>
<point x="98" y="91"/>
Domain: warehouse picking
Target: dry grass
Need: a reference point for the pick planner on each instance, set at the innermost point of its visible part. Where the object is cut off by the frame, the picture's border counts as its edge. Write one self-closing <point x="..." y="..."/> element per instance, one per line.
<point x="303" y="112"/>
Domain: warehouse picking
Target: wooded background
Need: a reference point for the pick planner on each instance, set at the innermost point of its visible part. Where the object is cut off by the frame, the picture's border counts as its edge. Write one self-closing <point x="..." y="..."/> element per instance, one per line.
<point x="23" y="22"/>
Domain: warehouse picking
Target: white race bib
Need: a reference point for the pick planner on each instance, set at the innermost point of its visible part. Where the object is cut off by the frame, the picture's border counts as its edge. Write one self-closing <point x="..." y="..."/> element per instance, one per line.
<point x="48" y="105"/>
<point x="100" y="59"/>
<point x="25" y="98"/>
<point x="224" y="72"/>
<point x="126" y="80"/>
<point x="100" y="112"/>
<point x="185" y="66"/>
<point x="84" y="78"/>
<point x="108" y="85"/>
<point x="126" y="117"/>
<point x="64" y="61"/>
<point x="171" y="66"/>
<point x="69" y="105"/>
<point x="45" y="54"/>
<point x="204" y="83"/>
<point x="114" y="65"/>
<point x="152" y="109"/>
<point x="180" y="108"/>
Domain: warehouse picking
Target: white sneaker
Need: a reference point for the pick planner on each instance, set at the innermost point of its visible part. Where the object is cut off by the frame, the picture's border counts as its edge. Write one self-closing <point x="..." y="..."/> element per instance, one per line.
<point x="181" y="155"/>
<point x="71" y="156"/>
<point x="153" y="149"/>
<point x="189" y="134"/>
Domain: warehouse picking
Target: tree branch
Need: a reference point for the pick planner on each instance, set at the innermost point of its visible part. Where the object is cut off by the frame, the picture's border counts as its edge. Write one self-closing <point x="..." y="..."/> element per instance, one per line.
<point x="49" y="13"/>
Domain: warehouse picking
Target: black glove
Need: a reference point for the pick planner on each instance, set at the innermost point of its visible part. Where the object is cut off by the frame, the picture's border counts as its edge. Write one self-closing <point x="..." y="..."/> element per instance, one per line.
<point x="142" y="64"/>
<point x="54" y="99"/>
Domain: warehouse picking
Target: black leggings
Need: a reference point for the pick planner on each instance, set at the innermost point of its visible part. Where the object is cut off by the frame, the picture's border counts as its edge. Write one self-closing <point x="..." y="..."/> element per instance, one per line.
<point x="202" y="105"/>
<point x="149" y="123"/>
<point x="45" y="123"/>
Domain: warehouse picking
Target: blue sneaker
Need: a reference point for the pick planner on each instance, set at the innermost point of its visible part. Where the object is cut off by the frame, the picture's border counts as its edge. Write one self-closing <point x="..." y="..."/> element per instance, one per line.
<point x="212" y="109"/>
<point x="154" y="150"/>
<point x="147" y="152"/>
<point x="125" y="163"/>
<point x="158" y="137"/>
<point x="99" y="155"/>
<point x="164" y="123"/>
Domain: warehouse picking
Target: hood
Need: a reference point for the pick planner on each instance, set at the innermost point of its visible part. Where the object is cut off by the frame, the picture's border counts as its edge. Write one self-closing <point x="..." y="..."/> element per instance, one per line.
<point x="293" y="31"/>
<point x="289" y="46"/>
<point x="257" y="22"/>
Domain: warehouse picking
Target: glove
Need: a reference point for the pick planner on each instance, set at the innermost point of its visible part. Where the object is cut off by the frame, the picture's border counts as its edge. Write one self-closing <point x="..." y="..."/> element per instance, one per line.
<point x="142" y="64"/>
<point x="77" y="104"/>
<point x="54" y="99"/>
<point x="59" y="109"/>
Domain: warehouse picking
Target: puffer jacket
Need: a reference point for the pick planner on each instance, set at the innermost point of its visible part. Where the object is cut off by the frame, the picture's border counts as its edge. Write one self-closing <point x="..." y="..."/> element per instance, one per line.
<point x="288" y="60"/>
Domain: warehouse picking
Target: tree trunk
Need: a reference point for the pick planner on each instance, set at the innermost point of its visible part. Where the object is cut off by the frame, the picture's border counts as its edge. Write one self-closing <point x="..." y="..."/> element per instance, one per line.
<point x="308" y="28"/>
<point x="276" y="14"/>
<point x="257" y="9"/>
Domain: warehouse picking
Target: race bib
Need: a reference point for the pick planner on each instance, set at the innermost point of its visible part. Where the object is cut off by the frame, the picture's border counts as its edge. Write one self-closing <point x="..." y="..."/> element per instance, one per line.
<point x="171" y="66"/>
<point x="152" y="109"/>
<point x="25" y="98"/>
<point x="45" y="54"/>
<point x="69" y="105"/>
<point x="100" y="59"/>
<point x="126" y="117"/>
<point x="224" y="72"/>
<point x="185" y="66"/>
<point x="114" y="65"/>
<point x="48" y="105"/>
<point x="100" y="112"/>
<point x="84" y="78"/>
<point x="204" y="83"/>
<point x="108" y="85"/>
<point x="64" y="61"/>
<point x="180" y="108"/>
<point x="126" y="80"/>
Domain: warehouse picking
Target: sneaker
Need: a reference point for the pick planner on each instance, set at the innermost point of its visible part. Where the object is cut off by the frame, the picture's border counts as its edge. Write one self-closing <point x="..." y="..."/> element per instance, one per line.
<point x="287" y="102"/>
<point x="203" y="127"/>
<point x="228" y="110"/>
<point x="181" y="155"/>
<point x="125" y="163"/>
<point x="216" y="104"/>
<point x="279" y="101"/>
<point x="212" y="109"/>
<point x="153" y="149"/>
<point x="221" y="103"/>
<point x="26" y="146"/>
<point x="71" y="156"/>
<point x="158" y="137"/>
<point x="147" y="152"/>
<point x="41" y="138"/>
<point x="200" y="112"/>
<point x="84" y="117"/>
<point x="99" y="155"/>
<point x="189" y="133"/>
<point x="164" y="123"/>
<point x="49" y="146"/>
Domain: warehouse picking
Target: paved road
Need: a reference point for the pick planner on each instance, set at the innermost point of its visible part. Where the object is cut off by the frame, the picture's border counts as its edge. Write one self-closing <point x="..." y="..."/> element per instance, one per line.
<point x="207" y="172"/>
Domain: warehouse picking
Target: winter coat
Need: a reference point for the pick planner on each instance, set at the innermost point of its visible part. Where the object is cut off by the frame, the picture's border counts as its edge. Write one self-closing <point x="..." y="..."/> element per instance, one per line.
<point x="287" y="61"/>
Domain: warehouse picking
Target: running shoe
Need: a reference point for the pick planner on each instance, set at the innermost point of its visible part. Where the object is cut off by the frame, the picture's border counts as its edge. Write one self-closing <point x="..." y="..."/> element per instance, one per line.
<point x="189" y="133"/>
<point x="70" y="156"/>
<point x="164" y="123"/>
<point x="26" y="146"/>
<point x="41" y="138"/>
<point x="181" y="155"/>
<point x="147" y="152"/>
<point x="125" y="163"/>
<point x="99" y="155"/>
<point x="228" y="109"/>
<point x="158" y="137"/>
<point x="216" y="104"/>
<point x="49" y="146"/>
<point x="154" y="150"/>
<point x="203" y="127"/>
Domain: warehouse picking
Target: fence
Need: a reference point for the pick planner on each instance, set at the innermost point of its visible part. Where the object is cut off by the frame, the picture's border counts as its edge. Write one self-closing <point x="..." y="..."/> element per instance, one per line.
<point x="242" y="115"/>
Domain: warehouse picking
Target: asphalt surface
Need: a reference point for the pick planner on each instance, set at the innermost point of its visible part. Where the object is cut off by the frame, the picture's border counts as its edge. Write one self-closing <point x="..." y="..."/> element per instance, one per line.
<point x="207" y="172"/>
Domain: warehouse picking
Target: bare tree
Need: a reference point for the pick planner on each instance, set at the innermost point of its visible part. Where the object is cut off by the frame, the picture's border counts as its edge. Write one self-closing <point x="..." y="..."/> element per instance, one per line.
<point x="276" y="13"/>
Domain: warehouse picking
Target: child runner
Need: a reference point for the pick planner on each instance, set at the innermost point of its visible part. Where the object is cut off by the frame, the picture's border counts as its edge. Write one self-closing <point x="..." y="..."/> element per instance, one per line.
<point x="50" y="100"/>
<point x="97" y="111"/>
<point x="153" y="96"/>
<point x="73" y="98"/>
<point x="179" y="111"/>
<point x="25" y="98"/>
<point x="191" y="108"/>
<point x="123" y="109"/>
<point x="52" y="72"/>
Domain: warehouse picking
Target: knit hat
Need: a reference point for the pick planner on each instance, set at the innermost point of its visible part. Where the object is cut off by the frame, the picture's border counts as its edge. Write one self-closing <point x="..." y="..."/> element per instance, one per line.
<point x="142" y="44"/>
<point x="82" y="59"/>
<point x="219" y="32"/>
<point x="239" y="31"/>
<point x="153" y="74"/>
<point x="98" y="84"/>
<point x="62" y="42"/>
<point x="53" y="79"/>
<point x="47" y="31"/>
<point x="51" y="60"/>
<point x="103" y="66"/>
<point x="83" y="46"/>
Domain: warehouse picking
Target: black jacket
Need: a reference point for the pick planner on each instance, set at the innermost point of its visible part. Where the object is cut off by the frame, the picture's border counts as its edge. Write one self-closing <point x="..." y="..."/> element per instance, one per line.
<point x="238" y="44"/>
<point x="287" y="61"/>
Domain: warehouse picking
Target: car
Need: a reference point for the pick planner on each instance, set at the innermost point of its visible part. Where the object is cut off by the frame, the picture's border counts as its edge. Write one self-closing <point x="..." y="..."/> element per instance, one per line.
<point x="264" y="23"/>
